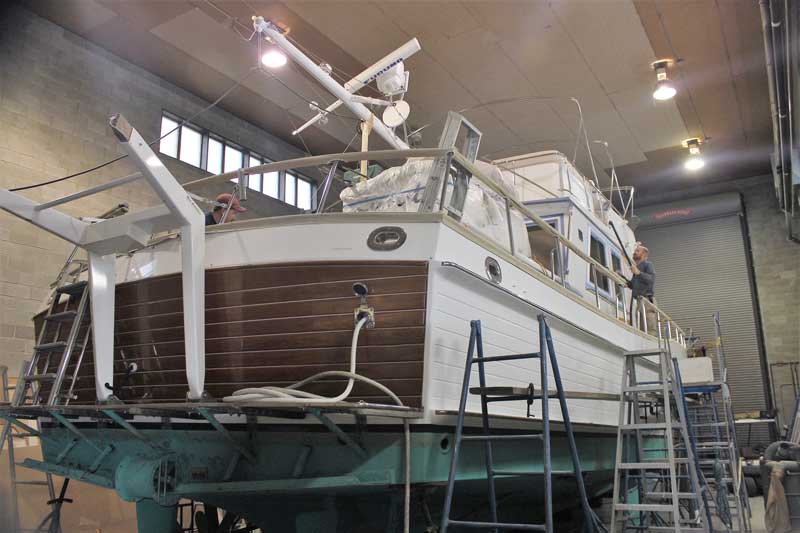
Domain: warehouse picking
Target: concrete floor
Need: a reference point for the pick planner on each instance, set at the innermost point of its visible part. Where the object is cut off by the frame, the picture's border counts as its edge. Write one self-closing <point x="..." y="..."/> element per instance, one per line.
<point x="757" y="520"/>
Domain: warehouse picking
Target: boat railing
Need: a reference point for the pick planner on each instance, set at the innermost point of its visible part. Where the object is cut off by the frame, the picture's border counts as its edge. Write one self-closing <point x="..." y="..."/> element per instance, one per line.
<point x="597" y="270"/>
<point x="460" y="179"/>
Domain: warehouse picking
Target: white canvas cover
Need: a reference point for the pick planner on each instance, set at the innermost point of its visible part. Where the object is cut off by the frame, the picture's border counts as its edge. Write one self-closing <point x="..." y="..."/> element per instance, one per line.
<point x="400" y="189"/>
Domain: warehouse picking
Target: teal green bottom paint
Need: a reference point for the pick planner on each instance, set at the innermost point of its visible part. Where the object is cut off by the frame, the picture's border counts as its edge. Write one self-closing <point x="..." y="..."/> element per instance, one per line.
<point x="304" y="479"/>
<point x="153" y="518"/>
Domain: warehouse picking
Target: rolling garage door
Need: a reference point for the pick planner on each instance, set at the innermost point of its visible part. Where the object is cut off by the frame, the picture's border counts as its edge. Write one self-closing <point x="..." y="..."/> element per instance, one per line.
<point x="701" y="258"/>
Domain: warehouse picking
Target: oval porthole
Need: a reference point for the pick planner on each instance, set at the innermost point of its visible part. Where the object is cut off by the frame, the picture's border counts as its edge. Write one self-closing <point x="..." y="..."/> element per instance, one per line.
<point x="444" y="444"/>
<point x="493" y="271"/>
<point x="386" y="238"/>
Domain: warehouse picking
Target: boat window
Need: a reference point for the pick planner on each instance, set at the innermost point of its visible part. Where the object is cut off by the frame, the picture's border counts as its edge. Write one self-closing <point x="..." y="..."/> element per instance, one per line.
<point x="597" y="251"/>
<point x="543" y="246"/>
<point x="616" y="266"/>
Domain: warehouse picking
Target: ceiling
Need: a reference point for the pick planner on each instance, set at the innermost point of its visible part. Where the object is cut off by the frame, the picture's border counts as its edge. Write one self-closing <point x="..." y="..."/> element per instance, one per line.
<point x="477" y="56"/>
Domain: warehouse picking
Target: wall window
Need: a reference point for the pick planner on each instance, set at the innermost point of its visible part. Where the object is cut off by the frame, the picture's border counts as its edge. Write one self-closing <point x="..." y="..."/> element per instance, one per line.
<point x="191" y="146"/>
<point x="169" y="144"/>
<point x="205" y="150"/>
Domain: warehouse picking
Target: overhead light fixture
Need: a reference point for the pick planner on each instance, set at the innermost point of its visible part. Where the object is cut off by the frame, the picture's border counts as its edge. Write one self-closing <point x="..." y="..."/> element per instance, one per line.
<point x="695" y="160"/>
<point x="273" y="58"/>
<point x="664" y="88"/>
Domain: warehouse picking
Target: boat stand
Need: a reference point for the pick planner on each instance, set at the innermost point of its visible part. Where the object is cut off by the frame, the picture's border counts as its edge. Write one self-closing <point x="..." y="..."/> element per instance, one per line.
<point x="502" y="394"/>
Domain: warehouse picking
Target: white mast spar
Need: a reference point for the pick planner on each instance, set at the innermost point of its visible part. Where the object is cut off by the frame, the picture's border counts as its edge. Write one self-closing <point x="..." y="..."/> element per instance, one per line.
<point x="326" y="80"/>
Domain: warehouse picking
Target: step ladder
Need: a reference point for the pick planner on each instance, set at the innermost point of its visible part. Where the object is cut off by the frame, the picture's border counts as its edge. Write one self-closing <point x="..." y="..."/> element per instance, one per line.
<point x="488" y="437"/>
<point x="656" y="479"/>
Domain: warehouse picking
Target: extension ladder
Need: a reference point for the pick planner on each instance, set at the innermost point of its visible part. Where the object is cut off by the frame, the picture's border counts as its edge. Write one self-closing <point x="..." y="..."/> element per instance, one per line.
<point x="654" y="485"/>
<point x="488" y="437"/>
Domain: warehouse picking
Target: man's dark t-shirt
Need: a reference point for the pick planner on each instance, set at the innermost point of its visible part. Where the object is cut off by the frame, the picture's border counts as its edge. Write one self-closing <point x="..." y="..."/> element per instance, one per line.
<point x="644" y="283"/>
<point x="210" y="219"/>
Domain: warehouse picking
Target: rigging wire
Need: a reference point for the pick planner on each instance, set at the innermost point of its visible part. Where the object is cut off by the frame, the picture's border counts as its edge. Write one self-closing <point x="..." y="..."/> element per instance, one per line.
<point x="151" y="143"/>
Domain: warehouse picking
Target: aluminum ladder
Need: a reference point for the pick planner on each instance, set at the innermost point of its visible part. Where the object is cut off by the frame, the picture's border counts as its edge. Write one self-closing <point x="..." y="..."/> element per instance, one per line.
<point x="653" y="486"/>
<point x="52" y="520"/>
<point x="502" y="394"/>
<point x="710" y="413"/>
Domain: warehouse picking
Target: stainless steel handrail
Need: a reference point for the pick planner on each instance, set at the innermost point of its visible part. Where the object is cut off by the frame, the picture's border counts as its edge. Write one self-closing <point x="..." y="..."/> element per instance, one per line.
<point x="596" y="268"/>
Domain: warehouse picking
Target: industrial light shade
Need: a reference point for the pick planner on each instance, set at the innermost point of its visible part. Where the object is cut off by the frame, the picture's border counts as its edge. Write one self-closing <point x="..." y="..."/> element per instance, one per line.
<point x="695" y="160"/>
<point x="273" y="58"/>
<point x="664" y="88"/>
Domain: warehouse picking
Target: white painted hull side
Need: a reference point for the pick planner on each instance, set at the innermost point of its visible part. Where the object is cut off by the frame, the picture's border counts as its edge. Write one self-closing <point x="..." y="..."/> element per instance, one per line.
<point x="589" y="344"/>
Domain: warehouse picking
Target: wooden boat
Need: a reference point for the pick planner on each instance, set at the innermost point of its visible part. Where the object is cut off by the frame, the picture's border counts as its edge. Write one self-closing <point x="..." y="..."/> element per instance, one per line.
<point x="155" y="413"/>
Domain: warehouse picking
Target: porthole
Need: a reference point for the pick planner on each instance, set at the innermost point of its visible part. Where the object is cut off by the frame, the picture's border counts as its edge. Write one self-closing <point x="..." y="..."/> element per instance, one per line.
<point x="493" y="271"/>
<point x="444" y="444"/>
<point x="386" y="238"/>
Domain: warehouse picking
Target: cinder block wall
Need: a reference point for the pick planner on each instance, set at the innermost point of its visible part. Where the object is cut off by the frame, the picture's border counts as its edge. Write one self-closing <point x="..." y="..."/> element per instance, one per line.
<point x="776" y="264"/>
<point x="57" y="92"/>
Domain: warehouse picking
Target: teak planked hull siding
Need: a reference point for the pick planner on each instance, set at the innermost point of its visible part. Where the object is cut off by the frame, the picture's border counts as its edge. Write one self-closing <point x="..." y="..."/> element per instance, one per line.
<point x="271" y="325"/>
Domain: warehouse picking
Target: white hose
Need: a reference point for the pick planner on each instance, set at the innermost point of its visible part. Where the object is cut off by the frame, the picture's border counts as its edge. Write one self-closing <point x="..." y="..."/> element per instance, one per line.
<point x="291" y="396"/>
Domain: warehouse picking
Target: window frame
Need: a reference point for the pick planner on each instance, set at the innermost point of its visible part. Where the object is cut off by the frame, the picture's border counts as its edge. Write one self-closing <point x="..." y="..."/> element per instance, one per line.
<point x="555" y="222"/>
<point x="247" y="153"/>
<point x="590" y="286"/>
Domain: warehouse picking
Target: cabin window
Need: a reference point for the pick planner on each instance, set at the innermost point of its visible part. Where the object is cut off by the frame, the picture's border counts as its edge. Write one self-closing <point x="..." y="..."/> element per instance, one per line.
<point x="616" y="266"/>
<point x="597" y="251"/>
<point x="543" y="246"/>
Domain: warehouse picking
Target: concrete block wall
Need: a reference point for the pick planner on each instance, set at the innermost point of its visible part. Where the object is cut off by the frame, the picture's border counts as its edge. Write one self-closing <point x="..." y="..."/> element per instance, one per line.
<point x="57" y="92"/>
<point x="776" y="265"/>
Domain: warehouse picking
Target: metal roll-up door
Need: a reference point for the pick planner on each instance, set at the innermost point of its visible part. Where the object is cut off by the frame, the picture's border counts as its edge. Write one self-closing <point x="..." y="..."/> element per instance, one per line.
<point x="702" y="266"/>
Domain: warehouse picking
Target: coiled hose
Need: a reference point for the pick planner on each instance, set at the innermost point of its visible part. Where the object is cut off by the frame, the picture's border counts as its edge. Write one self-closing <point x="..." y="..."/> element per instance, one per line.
<point x="292" y="396"/>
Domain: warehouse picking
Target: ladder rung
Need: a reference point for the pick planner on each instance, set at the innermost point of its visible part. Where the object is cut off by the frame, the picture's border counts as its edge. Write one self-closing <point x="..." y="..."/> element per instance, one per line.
<point x="666" y="529"/>
<point x="496" y="525"/>
<point x="644" y="388"/>
<point x="643" y="466"/>
<point x="649" y="425"/>
<point x="668" y="495"/>
<point x="510" y="357"/>
<point x="51" y="346"/>
<point x="559" y="473"/>
<point x="35" y="483"/>
<point x="40" y="377"/>
<point x="62" y="316"/>
<point x="72" y="288"/>
<point x="532" y="436"/>
<point x="642" y="353"/>
<point x="521" y="392"/>
<point x="653" y="507"/>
